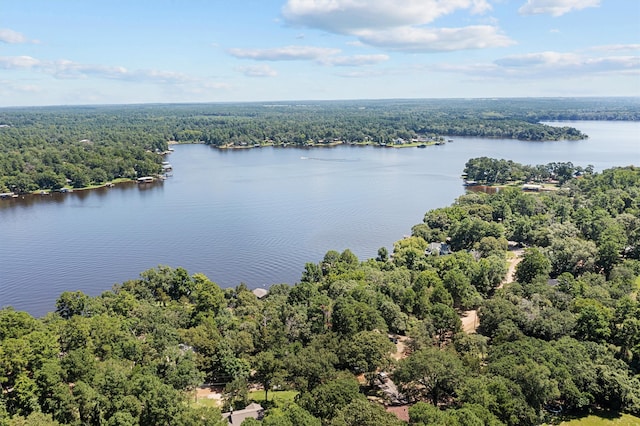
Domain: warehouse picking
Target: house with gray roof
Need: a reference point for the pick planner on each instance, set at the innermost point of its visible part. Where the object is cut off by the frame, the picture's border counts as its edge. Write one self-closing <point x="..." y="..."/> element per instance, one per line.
<point x="252" y="410"/>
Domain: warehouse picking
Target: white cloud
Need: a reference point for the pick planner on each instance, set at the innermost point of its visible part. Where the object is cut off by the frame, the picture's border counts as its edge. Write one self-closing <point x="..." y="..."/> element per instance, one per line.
<point x="320" y="55"/>
<point x="548" y="65"/>
<point x="28" y="88"/>
<point x="436" y="39"/>
<point x="555" y="7"/>
<point x="20" y="87"/>
<point x="66" y="69"/>
<point x="156" y="76"/>
<point x="70" y="70"/>
<point x="346" y="16"/>
<point x="12" y="37"/>
<point x="354" y="61"/>
<point x="258" y="71"/>
<point x="568" y="63"/>
<point x="617" y="48"/>
<point x="358" y="74"/>
<point x="387" y="25"/>
<point x="475" y="68"/>
<point x="18" y="62"/>
<point x="287" y="53"/>
<point x="547" y="59"/>
<point x="215" y="85"/>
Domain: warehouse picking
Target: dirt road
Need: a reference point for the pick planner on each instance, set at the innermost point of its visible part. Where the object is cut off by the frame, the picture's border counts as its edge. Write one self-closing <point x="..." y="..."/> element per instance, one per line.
<point x="401" y="348"/>
<point x="470" y="320"/>
<point x="516" y="257"/>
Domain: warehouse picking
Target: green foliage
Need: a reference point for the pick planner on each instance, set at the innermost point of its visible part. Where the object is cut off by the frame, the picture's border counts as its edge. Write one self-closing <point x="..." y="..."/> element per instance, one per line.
<point x="290" y="415"/>
<point x="269" y="370"/>
<point x="314" y="364"/>
<point x="327" y="399"/>
<point x="592" y="320"/>
<point x="361" y="412"/>
<point x="130" y="356"/>
<point x="422" y="413"/>
<point x="492" y="171"/>
<point x="431" y="373"/>
<point x="446" y="322"/>
<point x="534" y="264"/>
<point x="366" y="351"/>
<point x="15" y="324"/>
<point x="71" y="303"/>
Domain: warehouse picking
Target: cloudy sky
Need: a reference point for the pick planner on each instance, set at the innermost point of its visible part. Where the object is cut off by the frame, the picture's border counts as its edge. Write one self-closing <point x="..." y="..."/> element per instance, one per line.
<point x="62" y="52"/>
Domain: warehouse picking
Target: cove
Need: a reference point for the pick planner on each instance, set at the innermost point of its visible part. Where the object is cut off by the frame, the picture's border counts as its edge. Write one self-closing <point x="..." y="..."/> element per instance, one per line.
<point x="257" y="215"/>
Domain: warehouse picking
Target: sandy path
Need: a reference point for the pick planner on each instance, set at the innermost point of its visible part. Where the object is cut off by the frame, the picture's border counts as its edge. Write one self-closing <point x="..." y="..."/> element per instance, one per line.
<point x="401" y="348"/>
<point x="513" y="262"/>
<point x="206" y="392"/>
<point x="470" y="320"/>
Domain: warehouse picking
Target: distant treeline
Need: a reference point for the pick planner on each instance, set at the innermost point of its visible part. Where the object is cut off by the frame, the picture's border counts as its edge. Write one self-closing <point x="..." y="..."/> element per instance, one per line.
<point x="51" y="147"/>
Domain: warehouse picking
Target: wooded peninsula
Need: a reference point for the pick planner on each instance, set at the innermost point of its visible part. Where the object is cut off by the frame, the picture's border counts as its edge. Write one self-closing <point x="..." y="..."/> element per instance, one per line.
<point x="556" y="337"/>
<point x="49" y="148"/>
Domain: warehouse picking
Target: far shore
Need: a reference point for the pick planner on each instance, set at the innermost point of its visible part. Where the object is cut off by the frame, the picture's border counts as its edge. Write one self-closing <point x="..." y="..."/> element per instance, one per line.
<point x="246" y="145"/>
<point x="231" y="146"/>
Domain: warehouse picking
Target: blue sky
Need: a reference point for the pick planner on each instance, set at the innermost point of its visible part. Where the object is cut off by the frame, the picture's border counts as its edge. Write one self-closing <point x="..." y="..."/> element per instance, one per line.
<point x="65" y="52"/>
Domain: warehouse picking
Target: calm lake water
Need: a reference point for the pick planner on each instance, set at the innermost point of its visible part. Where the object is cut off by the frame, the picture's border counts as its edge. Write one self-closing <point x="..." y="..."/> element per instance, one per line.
<point x="255" y="216"/>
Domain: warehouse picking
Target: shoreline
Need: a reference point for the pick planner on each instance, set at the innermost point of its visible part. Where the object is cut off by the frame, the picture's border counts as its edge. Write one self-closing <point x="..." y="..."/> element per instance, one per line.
<point x="491" y="188"/>
<point x="69" y="189"/>
<point x="231" y="146"/>
<point x="109" y="184"/>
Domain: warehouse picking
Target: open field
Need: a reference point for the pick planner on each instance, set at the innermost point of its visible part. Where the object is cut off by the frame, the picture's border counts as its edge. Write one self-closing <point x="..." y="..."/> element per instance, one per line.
<point x="602" y="419"/>
<point x="275" y="396"/>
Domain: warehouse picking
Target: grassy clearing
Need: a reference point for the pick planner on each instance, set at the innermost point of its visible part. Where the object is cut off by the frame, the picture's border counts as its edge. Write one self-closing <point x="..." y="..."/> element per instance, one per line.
<point x="275" y="397"/>
<point x="278" y="397"/>
<point x="101" y="185"/>
<point x="604" y="418"/>
<point x="205" y="402"/>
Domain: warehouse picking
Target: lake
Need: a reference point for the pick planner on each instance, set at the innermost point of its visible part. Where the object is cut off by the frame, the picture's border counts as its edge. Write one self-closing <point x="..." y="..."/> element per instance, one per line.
<point x="257" y="215"/>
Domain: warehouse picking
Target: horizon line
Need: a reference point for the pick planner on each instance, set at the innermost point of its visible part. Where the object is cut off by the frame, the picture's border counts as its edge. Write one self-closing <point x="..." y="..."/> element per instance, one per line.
<point x="317" y="101"/>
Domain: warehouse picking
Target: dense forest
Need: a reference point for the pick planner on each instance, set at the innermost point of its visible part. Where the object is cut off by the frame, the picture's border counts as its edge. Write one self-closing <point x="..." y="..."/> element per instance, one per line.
<point x="48" y="148"/>
<point x="562" y="338"/>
